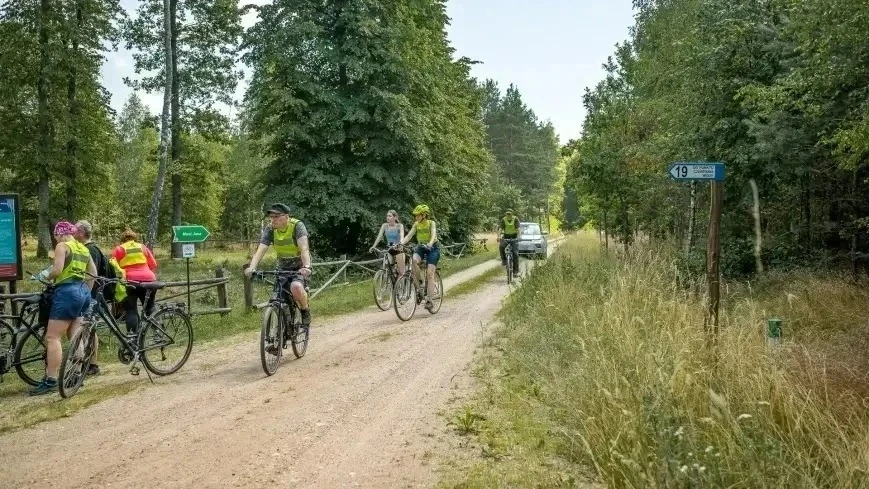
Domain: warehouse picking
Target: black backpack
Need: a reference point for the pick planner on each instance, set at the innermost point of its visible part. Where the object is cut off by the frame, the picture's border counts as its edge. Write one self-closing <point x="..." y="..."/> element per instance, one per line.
<point x="104" y="269"/>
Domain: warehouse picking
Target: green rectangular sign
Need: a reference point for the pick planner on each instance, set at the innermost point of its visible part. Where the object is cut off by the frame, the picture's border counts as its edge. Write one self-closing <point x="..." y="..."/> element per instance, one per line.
<point x="189" y="234"/>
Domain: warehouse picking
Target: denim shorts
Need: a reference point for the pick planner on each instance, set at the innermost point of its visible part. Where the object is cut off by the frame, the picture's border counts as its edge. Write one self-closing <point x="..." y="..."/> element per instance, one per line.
<point x="69" y="301"/>
<point x="432" y="256"/>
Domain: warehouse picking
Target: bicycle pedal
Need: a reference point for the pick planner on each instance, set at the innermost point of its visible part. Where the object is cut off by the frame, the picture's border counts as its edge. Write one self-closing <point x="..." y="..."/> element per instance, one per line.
<point x="134" y="371"/>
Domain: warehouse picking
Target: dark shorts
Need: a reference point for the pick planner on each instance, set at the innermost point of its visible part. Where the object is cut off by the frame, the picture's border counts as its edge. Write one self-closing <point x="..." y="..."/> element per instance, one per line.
<point x="69" y="301"/>
<point x="283" y="284"/>
<point x="432" y="256"/>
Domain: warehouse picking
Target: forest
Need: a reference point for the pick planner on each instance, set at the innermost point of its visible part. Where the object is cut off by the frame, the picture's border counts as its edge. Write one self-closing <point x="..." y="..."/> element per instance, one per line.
<point x="775" y="89"/>
<point x="352" y="108"/>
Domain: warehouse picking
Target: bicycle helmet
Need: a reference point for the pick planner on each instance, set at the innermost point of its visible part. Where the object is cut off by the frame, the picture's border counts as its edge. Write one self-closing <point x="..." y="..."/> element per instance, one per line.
<point x="421" y="209"/>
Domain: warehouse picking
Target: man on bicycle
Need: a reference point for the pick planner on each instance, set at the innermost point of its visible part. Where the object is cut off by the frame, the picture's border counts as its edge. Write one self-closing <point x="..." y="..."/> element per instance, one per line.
<point x="509" y="230"/>
<point x="289" y="237"/>
<point x="426" y="249"/>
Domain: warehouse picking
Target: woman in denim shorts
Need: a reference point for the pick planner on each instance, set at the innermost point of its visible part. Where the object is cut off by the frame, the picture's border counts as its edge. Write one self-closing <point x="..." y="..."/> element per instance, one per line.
<point x="69" y="301"/>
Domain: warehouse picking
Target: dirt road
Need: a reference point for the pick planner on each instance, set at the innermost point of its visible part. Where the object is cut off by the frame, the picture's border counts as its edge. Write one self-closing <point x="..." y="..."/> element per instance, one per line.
<point x="359" y="410"/>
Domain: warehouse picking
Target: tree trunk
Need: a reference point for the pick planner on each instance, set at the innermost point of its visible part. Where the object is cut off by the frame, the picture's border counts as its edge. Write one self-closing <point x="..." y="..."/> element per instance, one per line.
<point x="45" y="133"/>
<point x="176" y="127"/>
<point x="692" y="219"/>
<point x="72" y="143"/>
<point x="165" y="131"/>
<point x="758" y="236"/>
<point x="606" y="232"/>
<point x="855" y="215"/>
<point x="807" y="213"/>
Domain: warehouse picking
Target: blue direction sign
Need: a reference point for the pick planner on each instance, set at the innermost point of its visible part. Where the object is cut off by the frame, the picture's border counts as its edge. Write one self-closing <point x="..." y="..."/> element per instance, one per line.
<point x="697" y="171"/>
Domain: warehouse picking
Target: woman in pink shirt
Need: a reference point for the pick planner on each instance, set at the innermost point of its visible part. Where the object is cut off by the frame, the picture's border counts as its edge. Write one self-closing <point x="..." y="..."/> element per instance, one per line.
<point x="138" y="264"/>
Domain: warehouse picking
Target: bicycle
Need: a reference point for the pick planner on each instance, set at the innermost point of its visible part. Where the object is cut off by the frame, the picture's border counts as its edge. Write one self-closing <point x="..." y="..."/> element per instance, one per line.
<point x="22" y="339"/>
<point x="407" y="292"/>
<point x="281" y="323"/>
<point x="134" y="347"/>
<point x="508" y="253"/>
<point x="385" y="278"/>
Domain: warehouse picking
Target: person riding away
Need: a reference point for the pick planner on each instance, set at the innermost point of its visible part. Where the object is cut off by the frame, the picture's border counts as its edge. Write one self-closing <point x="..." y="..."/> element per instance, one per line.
<point x="289" y="237"/>
<point x="138" y="265"/>
<point x="393" y="230"/>
<point x="427" y="247"/>
<point x="69" y="301"/>
<point x="509" y="230"/>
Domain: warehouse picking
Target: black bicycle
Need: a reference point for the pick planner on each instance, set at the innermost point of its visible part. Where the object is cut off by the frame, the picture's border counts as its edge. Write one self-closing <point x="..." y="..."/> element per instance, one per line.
<point x="385" y="278"/>
<point x="22" y="337"/>
<point x="169" y="325"/>
<point x="282" y="323"/>
<point x="508" y="252"/>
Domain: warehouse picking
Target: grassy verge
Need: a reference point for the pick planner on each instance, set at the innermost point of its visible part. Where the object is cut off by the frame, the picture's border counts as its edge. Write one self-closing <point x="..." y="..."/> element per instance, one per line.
<point x="601" y="373"/>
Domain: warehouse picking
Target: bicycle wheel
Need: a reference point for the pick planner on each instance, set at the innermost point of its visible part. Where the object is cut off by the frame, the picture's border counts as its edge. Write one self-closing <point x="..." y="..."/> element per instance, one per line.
<point x="404" y="297"/>
<point x="30" y="354"/>
<point x="271" y="336"/>
<point x="438" y="297"/>
<point x="76" y="359"/>
<point x="166" y="341"/>
<point x="299" y="339"/>
<point x="382" y="290"/>
<point x="509" y="269"/>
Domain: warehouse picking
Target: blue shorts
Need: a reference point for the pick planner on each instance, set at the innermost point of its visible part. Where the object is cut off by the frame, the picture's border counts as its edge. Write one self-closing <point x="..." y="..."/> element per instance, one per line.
<point x="432" y="256"/>
<point x="69" y="301"/>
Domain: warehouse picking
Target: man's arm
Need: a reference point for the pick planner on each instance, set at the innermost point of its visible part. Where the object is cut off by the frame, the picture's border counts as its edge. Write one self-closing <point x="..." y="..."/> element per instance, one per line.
<point x="304" y="251"/>
<point x="92" y="270"/>
<point x="257" y="256"/>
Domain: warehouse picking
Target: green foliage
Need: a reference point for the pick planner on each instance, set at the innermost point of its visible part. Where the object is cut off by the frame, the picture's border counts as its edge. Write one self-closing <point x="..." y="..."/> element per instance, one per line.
<point x="525" y="151"/>
<point x="773" y="89"/>
<point x="363" y="103"/>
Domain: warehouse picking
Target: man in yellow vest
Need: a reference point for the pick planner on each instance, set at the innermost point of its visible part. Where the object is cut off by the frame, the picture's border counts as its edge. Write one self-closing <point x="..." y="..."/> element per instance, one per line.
<point x="509" y="230"/>
<point x="289" y="238"/>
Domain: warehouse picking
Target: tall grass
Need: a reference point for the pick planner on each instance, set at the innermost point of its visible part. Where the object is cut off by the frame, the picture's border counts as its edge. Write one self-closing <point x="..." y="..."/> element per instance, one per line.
<point x="603" y="372"/>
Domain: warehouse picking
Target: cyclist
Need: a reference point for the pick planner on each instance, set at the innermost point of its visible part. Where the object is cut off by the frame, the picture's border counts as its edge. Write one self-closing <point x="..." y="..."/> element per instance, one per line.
<point x="83" y="236"/>
<point x="509" y="230"/>
<point x="70" y="299"/>
<point x="138" y="264"/>
<point x="289" y="237"/>
<point x="427" y="248"/>
<point x="393" y="230"/>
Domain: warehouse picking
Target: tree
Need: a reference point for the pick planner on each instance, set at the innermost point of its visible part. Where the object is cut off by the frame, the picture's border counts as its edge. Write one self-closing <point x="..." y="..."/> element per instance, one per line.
<point x="360" y="108"/>
<point x="200" y="61"/>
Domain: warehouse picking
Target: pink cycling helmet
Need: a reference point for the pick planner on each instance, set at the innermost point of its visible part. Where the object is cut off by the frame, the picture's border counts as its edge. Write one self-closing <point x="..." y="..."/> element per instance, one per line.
<point x="65" y="228"/>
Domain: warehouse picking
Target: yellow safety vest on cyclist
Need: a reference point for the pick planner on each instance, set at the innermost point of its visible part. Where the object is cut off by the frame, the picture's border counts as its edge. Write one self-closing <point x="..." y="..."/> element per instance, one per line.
<point x="423" y="231"/>
<point x="133" y="255"/>
<point x="284" y="244"/>
<point x="75" y="265"/>
<point x="510" y="226"/>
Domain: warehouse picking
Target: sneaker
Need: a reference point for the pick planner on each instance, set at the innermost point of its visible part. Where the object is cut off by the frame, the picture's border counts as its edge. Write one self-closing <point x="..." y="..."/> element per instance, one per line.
<point x="44" y="386"/>
<point x="306" y="317"/>
<point x="93" y="369"/>
<point x="429" y="306"/>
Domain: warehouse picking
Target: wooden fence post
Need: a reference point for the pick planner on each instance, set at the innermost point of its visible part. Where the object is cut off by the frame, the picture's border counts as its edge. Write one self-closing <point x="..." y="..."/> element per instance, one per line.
<point x="221" y="290"/>
<point x="248" y="289"/>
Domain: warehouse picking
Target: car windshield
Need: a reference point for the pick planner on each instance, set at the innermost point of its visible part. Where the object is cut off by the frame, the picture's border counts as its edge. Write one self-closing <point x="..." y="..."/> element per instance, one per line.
<point x="529" y="230"/>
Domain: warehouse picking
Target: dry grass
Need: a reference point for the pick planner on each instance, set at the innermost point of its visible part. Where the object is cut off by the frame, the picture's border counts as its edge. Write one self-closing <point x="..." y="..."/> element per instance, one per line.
<point x="602" y="373"/>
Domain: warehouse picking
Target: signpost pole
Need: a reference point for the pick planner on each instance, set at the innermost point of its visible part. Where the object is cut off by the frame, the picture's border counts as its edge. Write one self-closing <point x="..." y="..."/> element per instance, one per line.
<point x="713" y="255"/>
<point x="714" y="174"/>
<point x="189" y="304"/>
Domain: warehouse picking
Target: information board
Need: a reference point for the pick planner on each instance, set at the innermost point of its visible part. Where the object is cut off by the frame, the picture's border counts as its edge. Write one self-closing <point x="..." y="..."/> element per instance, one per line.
<point x="10" y="237"/>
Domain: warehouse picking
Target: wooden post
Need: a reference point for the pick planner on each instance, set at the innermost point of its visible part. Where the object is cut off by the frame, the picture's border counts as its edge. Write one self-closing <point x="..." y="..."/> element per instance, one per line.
<point x="344" y="277"/>
<point x="221" y="290"/>
<point x="713" y="256"/>
<point x="248" y="289"/>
